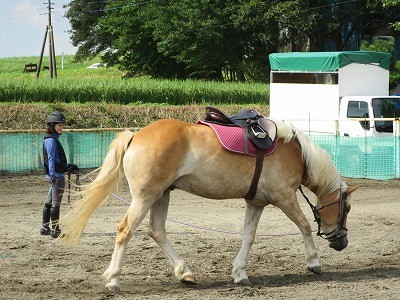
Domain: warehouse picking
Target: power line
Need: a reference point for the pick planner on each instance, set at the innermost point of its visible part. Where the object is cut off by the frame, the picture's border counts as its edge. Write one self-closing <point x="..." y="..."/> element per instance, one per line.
<point x="119" y="7"/>
<point x="12" y="15"/>
<point x="40" y="12"/>
<point x="18" y="17"/>
<point x="18" y="12"/>
<point x="146" y="2"/>
<point x="330" y="5"/>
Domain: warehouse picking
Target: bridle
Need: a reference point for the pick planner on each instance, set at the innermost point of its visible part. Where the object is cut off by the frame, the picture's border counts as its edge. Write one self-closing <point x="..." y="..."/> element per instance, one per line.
<point x="340" y="231"/>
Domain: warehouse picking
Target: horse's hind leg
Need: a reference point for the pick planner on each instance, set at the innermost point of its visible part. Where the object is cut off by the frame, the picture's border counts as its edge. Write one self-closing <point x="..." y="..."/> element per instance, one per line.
<point x="158" y="217"/>
<point x="251" y="219"/>
<point x="133" y="217"/>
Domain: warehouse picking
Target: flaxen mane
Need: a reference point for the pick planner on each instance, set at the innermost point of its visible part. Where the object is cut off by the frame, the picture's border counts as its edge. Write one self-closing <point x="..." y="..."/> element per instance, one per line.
<point x="320" y="169"/>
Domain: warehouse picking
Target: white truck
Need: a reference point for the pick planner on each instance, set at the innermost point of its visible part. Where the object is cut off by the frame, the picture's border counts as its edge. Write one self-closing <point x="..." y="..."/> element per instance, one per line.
<point x="328" y="93"/>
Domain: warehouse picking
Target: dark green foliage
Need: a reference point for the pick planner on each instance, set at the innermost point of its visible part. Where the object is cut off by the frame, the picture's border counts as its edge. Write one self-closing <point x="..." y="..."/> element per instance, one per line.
<point x="85" y="33"/>
<point x="219" y="40"/>
<point x="385" y="45"/>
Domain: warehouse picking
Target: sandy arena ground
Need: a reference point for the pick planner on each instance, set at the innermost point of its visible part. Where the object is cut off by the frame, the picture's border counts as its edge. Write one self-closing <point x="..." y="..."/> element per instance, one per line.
<point x="36" y="267"/>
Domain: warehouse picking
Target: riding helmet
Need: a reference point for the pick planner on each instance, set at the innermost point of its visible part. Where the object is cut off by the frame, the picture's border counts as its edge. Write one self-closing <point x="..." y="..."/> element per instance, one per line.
<point x="55" y="117"/>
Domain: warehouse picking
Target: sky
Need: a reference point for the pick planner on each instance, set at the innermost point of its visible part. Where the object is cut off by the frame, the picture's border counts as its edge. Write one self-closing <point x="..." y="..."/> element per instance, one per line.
<point x="23" y="27"/>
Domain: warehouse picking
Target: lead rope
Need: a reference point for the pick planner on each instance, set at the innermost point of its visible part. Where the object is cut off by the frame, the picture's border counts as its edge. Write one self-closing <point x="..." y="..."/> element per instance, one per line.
<point x="77" y="173"/>
<point x="198" y="226"/>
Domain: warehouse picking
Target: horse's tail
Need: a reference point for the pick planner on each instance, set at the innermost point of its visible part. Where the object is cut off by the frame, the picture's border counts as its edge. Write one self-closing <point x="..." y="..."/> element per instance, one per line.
<point x="96" y="192"/>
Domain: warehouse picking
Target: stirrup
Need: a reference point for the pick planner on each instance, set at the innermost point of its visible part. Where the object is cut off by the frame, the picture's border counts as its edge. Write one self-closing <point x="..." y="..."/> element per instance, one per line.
<point x="259" y="134"/>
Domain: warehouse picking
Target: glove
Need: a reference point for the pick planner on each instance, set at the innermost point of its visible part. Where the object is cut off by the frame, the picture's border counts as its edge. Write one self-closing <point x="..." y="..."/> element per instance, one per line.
<point x="53" y="179"/>
<point x="72" y="167"/>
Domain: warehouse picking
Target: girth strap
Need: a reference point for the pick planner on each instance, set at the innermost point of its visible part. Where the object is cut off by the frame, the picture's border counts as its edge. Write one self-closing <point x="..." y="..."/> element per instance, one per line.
<point x="256" y="177"/>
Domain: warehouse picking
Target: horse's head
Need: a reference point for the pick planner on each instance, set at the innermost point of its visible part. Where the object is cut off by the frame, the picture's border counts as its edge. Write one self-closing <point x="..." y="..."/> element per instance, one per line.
<point x="331" y="215"/>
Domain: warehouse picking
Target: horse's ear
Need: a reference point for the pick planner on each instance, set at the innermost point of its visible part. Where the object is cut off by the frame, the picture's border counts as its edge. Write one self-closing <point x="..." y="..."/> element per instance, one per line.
<point x="352" y="188"/>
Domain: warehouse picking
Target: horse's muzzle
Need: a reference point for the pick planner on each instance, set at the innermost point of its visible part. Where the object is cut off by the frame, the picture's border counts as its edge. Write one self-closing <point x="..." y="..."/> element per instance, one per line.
<point x="339" y="240"/>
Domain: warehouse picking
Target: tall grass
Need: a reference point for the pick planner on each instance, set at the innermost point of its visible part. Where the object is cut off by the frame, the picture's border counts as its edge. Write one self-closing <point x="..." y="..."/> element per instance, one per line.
<point x="78" y="84"/>
<point x="127" y="91"/>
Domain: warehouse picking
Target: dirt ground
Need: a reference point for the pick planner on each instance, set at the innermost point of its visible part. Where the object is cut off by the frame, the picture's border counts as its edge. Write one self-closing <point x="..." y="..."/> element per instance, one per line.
<point x="206" y="233"/>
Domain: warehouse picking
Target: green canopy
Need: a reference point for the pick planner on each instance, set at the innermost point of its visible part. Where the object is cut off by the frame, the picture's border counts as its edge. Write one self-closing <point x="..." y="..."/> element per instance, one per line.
<point x="326" y="61"/>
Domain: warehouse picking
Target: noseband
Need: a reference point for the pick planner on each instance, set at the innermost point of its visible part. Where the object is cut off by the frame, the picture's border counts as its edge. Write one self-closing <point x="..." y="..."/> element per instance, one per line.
<point x="340" y="231"/>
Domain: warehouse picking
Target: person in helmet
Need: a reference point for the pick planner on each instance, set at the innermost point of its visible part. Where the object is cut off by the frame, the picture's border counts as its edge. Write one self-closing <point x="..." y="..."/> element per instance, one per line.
<point x="55" y="166"/>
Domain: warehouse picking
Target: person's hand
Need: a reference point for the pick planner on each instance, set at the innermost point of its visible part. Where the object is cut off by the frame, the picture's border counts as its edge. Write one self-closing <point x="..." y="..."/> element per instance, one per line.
<point x="53" y="179"/>
<point x="72" y="167"/>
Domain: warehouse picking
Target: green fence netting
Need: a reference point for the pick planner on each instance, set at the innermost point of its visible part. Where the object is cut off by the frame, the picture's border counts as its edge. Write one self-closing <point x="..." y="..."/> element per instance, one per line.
<point x="372" y="158"/>
<point x="23" y="151"/>
<point x="369" y="157"/>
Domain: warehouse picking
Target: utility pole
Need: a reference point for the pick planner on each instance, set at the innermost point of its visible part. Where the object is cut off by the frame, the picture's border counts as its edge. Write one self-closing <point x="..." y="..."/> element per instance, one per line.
<point x="52" y="51"/>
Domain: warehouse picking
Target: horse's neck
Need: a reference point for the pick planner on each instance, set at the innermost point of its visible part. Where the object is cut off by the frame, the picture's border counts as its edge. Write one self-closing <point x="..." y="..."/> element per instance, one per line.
<point x="322" y="189"/>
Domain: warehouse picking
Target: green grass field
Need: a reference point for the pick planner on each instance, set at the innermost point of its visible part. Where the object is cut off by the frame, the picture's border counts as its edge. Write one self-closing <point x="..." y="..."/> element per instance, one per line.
<point x="93" y="98"/>
<point x="76" y="83"/>
<point x="66" y="68"/>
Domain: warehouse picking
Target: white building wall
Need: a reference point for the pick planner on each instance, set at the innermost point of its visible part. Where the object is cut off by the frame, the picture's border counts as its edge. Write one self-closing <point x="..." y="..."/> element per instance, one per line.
<point x="363" y="80"/>
<point x="311" y="107"/>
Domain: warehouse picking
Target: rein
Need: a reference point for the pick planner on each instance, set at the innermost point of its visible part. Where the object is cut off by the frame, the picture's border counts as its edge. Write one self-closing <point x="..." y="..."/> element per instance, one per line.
<point x="77" y="173"/>
<point x="343" y="210"/>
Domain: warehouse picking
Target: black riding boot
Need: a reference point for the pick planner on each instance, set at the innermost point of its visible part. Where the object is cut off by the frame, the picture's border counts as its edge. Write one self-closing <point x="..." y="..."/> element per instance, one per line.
<point x="45" y="228"/>
<point x="55" y="215"/>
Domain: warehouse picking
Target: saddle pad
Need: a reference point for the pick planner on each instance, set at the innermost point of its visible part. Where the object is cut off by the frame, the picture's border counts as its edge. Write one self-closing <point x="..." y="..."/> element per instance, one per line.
<point x="232" y="138"/>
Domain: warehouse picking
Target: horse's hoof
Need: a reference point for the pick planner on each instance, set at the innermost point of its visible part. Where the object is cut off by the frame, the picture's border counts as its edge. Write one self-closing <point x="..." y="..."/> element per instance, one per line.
<point x="245" y="281"/>
<point x="112" y="288"/>
<point x="188" y="279"/>
<point x="316" y="270"/>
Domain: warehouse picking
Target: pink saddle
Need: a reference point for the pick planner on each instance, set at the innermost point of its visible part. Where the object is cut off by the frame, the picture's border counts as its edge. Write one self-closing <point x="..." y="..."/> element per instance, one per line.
<point x="233" y="138"/>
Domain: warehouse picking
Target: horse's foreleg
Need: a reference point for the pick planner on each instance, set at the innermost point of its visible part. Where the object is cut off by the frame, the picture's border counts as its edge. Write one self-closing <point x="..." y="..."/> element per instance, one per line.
<point x="158" y="217"/>
<point x="251" y="219"/>
<point x="133" y="217"/>
<point x="294" y="213"/>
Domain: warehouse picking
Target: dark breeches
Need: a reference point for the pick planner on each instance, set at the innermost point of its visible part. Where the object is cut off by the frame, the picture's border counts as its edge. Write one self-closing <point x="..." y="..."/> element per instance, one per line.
<point x="51" y="209"/>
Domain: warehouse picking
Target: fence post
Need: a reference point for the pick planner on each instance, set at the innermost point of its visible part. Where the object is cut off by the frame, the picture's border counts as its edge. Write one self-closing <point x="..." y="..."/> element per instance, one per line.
<point x="396" y="127"/>
<point x="396" y="142"/>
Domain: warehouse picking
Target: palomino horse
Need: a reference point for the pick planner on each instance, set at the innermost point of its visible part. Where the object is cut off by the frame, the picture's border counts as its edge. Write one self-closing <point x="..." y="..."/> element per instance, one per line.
<point x="171" y="154"/>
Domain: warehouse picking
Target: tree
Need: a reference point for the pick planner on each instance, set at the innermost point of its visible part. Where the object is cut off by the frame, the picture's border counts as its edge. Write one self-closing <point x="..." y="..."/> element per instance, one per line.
<point x="389" y="4"/>
<point x="210" y="37"/>
<point x="342" y="23"/>
<point x="218" y="40"/>
<point x="133" y="46"/>
<point x="200" y="39"/>
<point x="85" y="34"/>
<point x="385" y="46"/>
